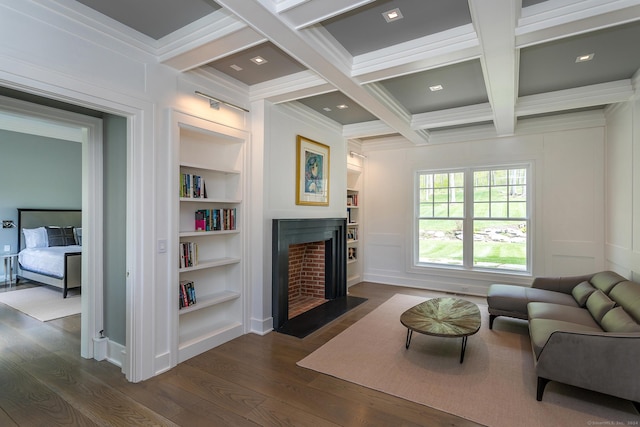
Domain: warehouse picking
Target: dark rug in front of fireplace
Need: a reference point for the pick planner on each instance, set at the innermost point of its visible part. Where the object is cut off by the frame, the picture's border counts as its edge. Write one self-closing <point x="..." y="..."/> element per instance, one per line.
<point x="312" y="320"/>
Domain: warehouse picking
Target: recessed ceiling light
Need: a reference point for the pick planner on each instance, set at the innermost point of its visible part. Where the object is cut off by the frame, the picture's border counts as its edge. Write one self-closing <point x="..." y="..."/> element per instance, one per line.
<point x="585" y="58"/>
<point x="392" y="15"/>
<point x="236" y="67"/>
<point x="342" y="106"/>
<point x="327" y="109"/>
<point x="435" y="88"/>
<point x="259" y="60"/>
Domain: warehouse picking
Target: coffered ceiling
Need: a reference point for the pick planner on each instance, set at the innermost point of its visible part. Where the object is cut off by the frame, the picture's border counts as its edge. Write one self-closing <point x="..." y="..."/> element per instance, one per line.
<point x="438" y="66"/>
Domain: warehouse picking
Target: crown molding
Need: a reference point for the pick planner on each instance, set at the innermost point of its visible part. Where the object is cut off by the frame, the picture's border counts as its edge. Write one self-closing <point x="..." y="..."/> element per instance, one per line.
<point x="366" y="129"/>
<point x="300" y="14"/>
<point x="309" y="116"/>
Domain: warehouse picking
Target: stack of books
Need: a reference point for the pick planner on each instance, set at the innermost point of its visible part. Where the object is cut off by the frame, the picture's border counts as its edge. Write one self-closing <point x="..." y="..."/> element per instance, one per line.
<point x="187" y="293"/>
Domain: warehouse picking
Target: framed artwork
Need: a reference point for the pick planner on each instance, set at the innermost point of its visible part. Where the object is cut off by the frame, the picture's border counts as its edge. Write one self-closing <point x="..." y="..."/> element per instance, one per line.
<point x="312" y="172"/>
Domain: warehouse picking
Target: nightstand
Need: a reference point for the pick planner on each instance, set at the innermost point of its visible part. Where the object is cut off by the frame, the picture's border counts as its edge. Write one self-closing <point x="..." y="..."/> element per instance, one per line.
<point x="10" y="264"/>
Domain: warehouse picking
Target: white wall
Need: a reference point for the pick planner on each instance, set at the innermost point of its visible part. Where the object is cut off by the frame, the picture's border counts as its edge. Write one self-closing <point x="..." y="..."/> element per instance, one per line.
<point x="281" y="126"/>
<point x="623" y="189"/>
<point x="568" y="215"/>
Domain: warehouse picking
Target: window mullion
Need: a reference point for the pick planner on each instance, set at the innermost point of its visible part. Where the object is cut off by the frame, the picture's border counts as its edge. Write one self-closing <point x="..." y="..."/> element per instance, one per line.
<point x="467" y="223"/>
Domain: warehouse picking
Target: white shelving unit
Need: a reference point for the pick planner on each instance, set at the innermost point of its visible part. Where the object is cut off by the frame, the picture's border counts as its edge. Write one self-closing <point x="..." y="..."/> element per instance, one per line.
<point x="354" y="228"/>
<point x="216" y="153"/>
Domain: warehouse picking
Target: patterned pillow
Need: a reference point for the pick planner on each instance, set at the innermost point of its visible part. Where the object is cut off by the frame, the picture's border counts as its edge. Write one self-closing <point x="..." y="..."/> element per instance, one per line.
<point x="60" y="236"/>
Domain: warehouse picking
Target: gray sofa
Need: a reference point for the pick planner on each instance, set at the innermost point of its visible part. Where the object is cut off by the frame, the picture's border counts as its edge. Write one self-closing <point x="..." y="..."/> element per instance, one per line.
<point x="584" y="330"/>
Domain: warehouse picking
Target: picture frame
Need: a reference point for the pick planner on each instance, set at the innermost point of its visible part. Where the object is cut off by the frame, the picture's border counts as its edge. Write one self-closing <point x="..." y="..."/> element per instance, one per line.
<point x="312" y="172"/>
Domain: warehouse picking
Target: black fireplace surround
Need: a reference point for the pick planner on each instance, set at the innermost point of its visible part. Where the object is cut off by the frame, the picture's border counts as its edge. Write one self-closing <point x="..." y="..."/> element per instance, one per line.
<point x="293" y="231"/>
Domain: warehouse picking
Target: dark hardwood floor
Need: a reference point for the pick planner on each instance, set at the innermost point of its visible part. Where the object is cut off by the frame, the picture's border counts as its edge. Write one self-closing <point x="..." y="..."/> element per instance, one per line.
<point x="252" y="380"/>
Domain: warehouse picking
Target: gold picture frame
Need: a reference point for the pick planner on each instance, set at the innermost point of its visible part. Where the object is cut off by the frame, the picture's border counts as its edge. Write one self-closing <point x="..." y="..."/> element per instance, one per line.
<point x="312" y="172"/>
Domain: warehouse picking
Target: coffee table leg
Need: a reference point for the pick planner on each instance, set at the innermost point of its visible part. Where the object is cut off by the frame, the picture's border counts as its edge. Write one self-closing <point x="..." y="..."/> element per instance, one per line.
<point x="464" y="347"/>
<point x="409" y="334"/>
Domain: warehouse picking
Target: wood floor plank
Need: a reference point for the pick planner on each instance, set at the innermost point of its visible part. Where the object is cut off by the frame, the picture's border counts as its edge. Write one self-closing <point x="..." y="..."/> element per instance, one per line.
<point x="250" y="381"/>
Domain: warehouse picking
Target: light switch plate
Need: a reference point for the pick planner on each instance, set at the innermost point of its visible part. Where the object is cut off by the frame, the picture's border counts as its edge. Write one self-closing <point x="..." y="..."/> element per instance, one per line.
<point x="7" y="248"/>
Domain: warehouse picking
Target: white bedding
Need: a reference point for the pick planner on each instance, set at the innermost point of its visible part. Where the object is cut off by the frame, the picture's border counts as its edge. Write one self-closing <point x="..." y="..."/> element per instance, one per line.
<point x="48" y="261"/>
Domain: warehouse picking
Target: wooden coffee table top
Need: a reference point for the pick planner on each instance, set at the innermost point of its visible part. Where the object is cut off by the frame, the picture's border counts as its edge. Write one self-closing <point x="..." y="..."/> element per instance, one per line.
<point x="443" y="317"/>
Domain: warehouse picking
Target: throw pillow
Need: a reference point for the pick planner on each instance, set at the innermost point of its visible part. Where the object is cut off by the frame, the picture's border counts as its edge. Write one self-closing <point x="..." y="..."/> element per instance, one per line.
<point x="60" y="236"/>
<point x="598" y="305"/>
<point x="35" y="237"/>
<point x="617" y="320"/>
<point x="581" y="292"/>
<point x="78" y="233"/>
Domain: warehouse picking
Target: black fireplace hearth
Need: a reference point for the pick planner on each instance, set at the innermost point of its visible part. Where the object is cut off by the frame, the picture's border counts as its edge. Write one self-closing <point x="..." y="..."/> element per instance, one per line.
<point x="332" y="231"/>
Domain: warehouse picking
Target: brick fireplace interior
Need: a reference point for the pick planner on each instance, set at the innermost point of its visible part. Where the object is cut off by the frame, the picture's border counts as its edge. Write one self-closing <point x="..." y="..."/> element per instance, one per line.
<point x="306" y="277"/>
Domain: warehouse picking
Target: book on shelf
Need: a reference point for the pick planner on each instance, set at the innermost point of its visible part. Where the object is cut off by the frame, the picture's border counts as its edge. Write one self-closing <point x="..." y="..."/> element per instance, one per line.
<point x="352" y="200"/>
<point x="192" y="186"/>
<point x="352" y="233"/>
<point x="188" y="253"/>
<point x="187" y="293"/>
<point x="215" y="219"/>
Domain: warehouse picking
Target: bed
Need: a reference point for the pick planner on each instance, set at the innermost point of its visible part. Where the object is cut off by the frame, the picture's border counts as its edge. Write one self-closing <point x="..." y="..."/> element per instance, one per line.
<point x="50" y="247"/>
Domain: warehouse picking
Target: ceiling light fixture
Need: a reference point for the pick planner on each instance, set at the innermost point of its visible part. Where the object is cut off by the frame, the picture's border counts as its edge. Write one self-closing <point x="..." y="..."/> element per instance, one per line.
<point x="585" y="58"/>
<point x="342" y="106"/>
<point x="259" y="60"/>
<point x="327" y="109"/>
<point x="236" y="67"/>
<point x="435" y="88"/>
<point x="354" y="154"/>
<point x="392" y="15"/>
<point x="215" y="102"/>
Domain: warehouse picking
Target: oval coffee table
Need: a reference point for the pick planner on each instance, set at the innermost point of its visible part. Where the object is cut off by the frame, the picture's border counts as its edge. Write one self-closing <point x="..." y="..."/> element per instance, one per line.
<point x="443" y="317"/>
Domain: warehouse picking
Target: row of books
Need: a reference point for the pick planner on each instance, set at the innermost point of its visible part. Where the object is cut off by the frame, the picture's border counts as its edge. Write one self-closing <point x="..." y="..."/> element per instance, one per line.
<point x="352" y="233"/>
<point x="215" y="219"/>
<point x="187" y="293"/>
<point x="192" y="186"/>
<point x="352" y="200"/>
<point x="188" y="254"/>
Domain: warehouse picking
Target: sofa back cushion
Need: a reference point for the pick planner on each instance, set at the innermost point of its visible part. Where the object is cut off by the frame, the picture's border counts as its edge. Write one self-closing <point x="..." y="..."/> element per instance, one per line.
<point x="598" y="305"/>
<point x="618" y="320"/>
<point x="581" y="292"/>
<point x="606" y="280"/>
<point x="627" y="295"/>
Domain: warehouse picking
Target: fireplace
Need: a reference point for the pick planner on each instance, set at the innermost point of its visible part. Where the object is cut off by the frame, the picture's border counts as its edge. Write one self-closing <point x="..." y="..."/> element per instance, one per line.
<point x="288" y="234"/>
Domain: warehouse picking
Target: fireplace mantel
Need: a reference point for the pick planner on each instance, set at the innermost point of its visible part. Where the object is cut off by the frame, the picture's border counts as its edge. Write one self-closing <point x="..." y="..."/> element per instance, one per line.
<point x="292" y="231"/>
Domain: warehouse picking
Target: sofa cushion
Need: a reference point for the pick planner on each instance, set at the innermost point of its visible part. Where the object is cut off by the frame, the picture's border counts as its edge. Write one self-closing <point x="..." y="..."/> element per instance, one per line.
<point x="541" y="329"/>
<point x="627" y="295"/>
<point x="505" y="299"/>
<point x="545" y="310"/>
<point x="618" y="320"/>
<point x="581" y="292"/>
<point x="598" y="304"/>
<point x="606" y="280"/>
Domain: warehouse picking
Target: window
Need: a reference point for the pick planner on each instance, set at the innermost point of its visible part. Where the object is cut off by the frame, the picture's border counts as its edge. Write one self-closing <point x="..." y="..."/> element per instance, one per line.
<point x="498" y="215"/>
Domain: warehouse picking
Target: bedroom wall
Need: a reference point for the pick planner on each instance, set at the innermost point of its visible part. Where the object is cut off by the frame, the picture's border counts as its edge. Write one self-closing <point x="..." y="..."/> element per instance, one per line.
<point x="36" y="172"/>
<point x="568" y="200"/>
<point x="115" y="231"/>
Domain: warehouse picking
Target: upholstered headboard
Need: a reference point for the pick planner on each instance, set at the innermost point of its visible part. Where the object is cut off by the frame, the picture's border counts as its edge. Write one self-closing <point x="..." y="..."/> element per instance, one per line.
<point x="34" y="218"/>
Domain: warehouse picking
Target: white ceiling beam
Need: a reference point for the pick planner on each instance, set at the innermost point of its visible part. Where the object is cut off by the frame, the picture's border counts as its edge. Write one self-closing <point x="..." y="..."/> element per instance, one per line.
<point x="290" y="88"/>
<point x="571" y="99"/>
<point x="309" y="53"/>
<point x="552" y="22"/>
<point x="232" y="41"/>
<point x="436" y="50"/>
<point x="495" y="22"/>
<point x="453" y="116"/>
<point x="366" y="129"/>
<point x="301" y="14"/>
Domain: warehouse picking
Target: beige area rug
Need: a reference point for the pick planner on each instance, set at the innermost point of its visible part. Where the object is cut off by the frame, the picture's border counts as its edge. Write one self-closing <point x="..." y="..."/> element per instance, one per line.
<point x="495" y="386"/>
<point x="42" y="302"/>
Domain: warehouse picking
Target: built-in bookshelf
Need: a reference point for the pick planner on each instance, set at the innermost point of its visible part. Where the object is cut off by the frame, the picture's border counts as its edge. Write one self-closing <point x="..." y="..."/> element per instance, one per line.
<point x="354" y="224"/>
<point x="209" y="285"/>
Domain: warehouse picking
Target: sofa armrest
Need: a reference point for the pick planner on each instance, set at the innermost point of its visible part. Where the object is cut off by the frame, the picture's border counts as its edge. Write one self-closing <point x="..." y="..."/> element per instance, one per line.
<point x="604" y="362"/>
<point x="559" y="284"/>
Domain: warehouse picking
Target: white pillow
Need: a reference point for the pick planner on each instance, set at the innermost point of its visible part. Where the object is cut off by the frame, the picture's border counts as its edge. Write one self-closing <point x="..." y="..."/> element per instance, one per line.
<point x="35" y="237"/>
